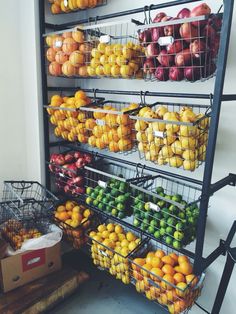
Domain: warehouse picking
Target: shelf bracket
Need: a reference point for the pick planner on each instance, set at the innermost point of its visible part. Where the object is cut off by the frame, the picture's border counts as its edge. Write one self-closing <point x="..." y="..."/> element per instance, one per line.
<point x="229" y="180"/>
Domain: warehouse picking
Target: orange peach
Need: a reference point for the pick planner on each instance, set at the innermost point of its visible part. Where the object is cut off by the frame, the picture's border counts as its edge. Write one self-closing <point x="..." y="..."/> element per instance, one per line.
<point x="61" y="57"/>
<point x="69" y="45"/>
<point x="51" y="53"/>
<point x="55" y="69"/>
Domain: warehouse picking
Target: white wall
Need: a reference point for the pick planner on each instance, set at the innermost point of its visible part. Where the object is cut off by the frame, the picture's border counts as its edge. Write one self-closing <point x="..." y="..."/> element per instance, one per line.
<point x="21" y="154"/>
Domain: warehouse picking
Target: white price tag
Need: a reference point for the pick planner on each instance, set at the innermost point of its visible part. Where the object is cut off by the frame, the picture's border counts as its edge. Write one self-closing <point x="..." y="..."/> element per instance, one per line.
<point x="165" y="41"/>
<point x="58" y="44"/>
<point x="61" y="175"/>
<point x="159" y="134"/>
<point x="102" y="184"/>
<point x="66" y="3"/>
<point x="154" y="207"/>
<point x="105" y="39"/>
<point x="103" y="253"/>
<point x="100" y="122"/>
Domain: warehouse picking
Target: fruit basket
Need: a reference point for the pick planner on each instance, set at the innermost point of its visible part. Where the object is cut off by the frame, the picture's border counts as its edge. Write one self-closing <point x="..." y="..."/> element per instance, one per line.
<point x="108" y="188"/>
<point x="68" y="171"/>
<point x="110" y="49"/>
<point x="28" y="199"/>
<point x="112" y="245"/>
<point x="69" y="6"/>
<point x="66" y="117"/>
<point x="173" y="134"/>
<point x="184" y="47"/>
<point x="165" y="277"/>
<point x="108" y="126"/>
<point x="74" y="219"/>
<point x="166" y="209"/>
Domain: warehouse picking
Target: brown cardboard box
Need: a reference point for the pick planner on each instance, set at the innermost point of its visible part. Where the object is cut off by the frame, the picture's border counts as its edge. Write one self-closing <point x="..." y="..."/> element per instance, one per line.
<point x="22" y="268"/>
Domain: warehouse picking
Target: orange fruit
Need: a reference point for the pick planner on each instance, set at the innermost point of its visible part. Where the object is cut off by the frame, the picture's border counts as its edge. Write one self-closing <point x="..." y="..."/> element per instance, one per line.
<point x="182" y="290"/>
<point x="80" y="94"/>
<point x="92" y="141"/>
<point x="179" y="306"/>
<point x="123" y="119"/>
<point x="149" y="257"/>
<point x="137" y="275"/>
<point x="80" y="103"/>
<point x="140" y="286"/>
<point x="61" y="208"/>
<point x="51" y="54"/>
<point x="175" y="257"/>
<point x="162" y="299"/>
<point x="123" y="131"/>
<point x="125" y="144"/>
<point x="114" y="147"/>
<point x="68" y="69"/>
<point x="156" y="273"/>
<point x="63" y="216"/>
<point x="77" y="58"/>
<point x="55" y="69"/>
<point x="192" y="280"/>
<point x="100" y="143"/>
<point x="168" y="260"/>
<point x="90" y="124"/>
<point x="113" y="136"/>
<point x="55" y="9"/>
<point x="111" y="120"/>
<point x="146" y="267"/>
<point x="70" y="205"/>
<point x="183" y="258"/>
<point x="178" y="277"/>
<point x="69" y="45"/>
<point x="167" y="279"/>
<point x="66" y="34"/>
<point x="154" y="292"/>
<point x="186" y="268"/>
<point x="156" y="262"/>
<point x="159" y="253"/>
<point x="78" y="36"/>
<point x="168" y="269"/>
<point x="171" y="295"/>
<point x="138" y="261"/>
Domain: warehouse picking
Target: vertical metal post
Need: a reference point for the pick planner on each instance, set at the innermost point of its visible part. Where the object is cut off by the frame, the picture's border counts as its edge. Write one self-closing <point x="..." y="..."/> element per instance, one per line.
<point x="44" y="87"/>
<point x="229" y="266"/>
<point x="210" y="154"/>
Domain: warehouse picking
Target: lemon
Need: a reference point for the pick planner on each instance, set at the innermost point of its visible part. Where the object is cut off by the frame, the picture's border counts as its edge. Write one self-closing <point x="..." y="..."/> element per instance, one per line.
<point x="101" y="228"/>
<point x="119" y="229"/>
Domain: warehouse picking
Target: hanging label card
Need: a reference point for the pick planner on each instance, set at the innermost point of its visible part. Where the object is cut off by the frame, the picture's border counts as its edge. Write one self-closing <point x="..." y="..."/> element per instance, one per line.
<point x="154" y="207"/>
<point x="58" y="44"/>
<point x="105" y="39"/>
<point x="66" y="3"/>
<point x="61" y="175"/>
<point x="103" y="253"/>
<point x="102" y="184"/>
<point x="159" y="134"/>
<point x="100" y="122"/>
<point x="167" y="40"/>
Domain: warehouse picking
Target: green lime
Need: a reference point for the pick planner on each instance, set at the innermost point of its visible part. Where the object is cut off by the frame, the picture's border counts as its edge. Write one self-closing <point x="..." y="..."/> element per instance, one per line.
<point x="143" y="227"/>
<point x="159" y="189"/>
<point x="109" y="209"/>
<point x="105" y="200"/>
<point x="162" y="231"/>
<point x="120" y="199"/>
<point x="101" y="206"/>
<point x="89" y="200"/>
<point x="148" y="214"/>
<point x="154" y="223"/>
<point x="157" y="234"/>
<point x="151" y="230"/>
<point x="140" y="206"/>
<point x="95" y="203"/>
<point x="114" y="193"/>
<point x="147" y="206"/>
<point x="101" y="192"/>
<point x="89" y="190"/>
<point x="168" y="197"/>
<point x="179" y="226"/>
<point x="176" y="244"/>
<point x="120" y="207"/>
<point x="177" y="198"/>
<point x="171" y="221"/>
<point x="93" y="195"/>
<point x="173" y="209"/>
<point x="146" y="222"/>
<point x="136" y="222"/>
<point x="170" y="230"/>
<point x="163" y="223"/>
<point x="192" y="220"/>
<point x="157" y="216"/>
<point x="165" y="212"/>
<point x="178" y="235"/>
<point x="162" y="194"/>
<point x="169" y="240"/>
<point x="114" y="212"/>
<point x="161" y="204"/>
<point x="112" y="203"/>
<point x="181" y="215"/>
<point x="121" y="215"/>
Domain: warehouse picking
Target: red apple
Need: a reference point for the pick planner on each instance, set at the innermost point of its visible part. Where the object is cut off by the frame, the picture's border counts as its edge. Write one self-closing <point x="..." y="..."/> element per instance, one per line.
<point x="162" y="74"/>
<point x="188" y="32"/>
<point x="152" y="50"/>
<point x="156" y="33"/>
<point x="201" y="9"/>
<point x="165" y="59"/>
<point x="158" y="18"/>
<point x="192" y="73"/>
<point x="59" y="160"/>
<point x="176" y="47"/>
<point x="80" y="163"/>
<point x="78" y="191"/>
<point x="198" y="48"/>
<point x="215" y="47"/>
<point x="53" y="157"/>
<point x="149" y="66"/>
<point x="210" y="33"/>
<point x="172" y="30"/>
<point x="183" y="58"/>
<point x="184" y="13"/>
<point x="145" y="36"/>
<point x="209" y="70"/>
<point x="78" y="155"/>
<point x="215" y="21"/>
<point x="176" y="74"/>
<point x="87" y="158"/>
<point x="67" y="189"/>
<point x="69" y="157"/>
<point x="78" y="181"/>
<point x="72" y="170"/>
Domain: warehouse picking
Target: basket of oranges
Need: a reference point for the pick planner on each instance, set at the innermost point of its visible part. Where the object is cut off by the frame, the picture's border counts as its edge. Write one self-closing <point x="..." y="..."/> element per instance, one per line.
<point x="68" y="6"/>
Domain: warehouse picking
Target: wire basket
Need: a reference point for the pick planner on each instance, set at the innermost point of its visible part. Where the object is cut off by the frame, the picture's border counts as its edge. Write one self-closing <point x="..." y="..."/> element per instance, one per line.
<point x="157" y="274"/>
<point x="166" y="209"/>
<point x="68" y="171"/>
<point x="16" y="231"/>
<point x="173" y="134"/>
<point x="108" y="189"/>
<point x="108" y="126"/>
<point x="181" y="48"/>
<point x="74" y="219"/>
<point x="69" y="6"/>
<point x="66" y="117"/>
<point x="28" y="199"/>
<point x="112" y="245"/>
<point x="110" y="49"/>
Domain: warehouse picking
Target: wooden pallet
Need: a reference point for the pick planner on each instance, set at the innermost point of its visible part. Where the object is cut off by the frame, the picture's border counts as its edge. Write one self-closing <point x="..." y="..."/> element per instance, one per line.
<point x="42" y="294"/>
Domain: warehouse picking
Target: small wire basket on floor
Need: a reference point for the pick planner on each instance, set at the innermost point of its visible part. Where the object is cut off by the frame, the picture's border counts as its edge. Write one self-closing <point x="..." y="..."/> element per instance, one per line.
<point x="28" y="199"/>
<point x="165" y="277"/>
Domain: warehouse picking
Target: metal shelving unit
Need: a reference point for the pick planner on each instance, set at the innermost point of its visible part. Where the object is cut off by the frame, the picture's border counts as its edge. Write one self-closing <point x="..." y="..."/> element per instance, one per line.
<point x="207" y="187"/>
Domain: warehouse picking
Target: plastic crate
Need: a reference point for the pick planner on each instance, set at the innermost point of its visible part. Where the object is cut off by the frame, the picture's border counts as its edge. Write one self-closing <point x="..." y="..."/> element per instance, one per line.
<point x="181" y="48"/>
<point x="167" y="209"/>
<point x="28" y="199"/>
<point x="109" y="49"/>
<point x="73" y="231"/>
<point x="108" y="188"/>
<point x="163" y="284"/>
<point x="173" y="134"/>
<point x="106" y="255"/>
<point x="70" y="6"/>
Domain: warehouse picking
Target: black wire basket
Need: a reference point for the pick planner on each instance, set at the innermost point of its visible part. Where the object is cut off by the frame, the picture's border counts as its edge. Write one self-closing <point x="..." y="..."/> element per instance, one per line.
<point x="70" y="6"/>
<point x="166" y="209"/>
<point x="173" y="134"/>
<point x="28" y="199"/>
<point x="179" y="48"/>
<point x="165" y="277"/>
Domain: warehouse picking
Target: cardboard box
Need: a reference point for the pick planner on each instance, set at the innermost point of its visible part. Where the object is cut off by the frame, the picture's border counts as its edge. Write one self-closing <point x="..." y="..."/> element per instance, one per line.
<point x="25" y="267"/>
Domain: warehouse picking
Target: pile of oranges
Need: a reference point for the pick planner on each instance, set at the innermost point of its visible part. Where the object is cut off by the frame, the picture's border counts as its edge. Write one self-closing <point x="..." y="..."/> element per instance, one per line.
<point x="169" y="279"/>
<point x="67" y="54"/>
<point x="111" y="130"/>
<point x="61" y="6"/>
<point x="74" y="220"/>
<point x="68" y="122"/>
